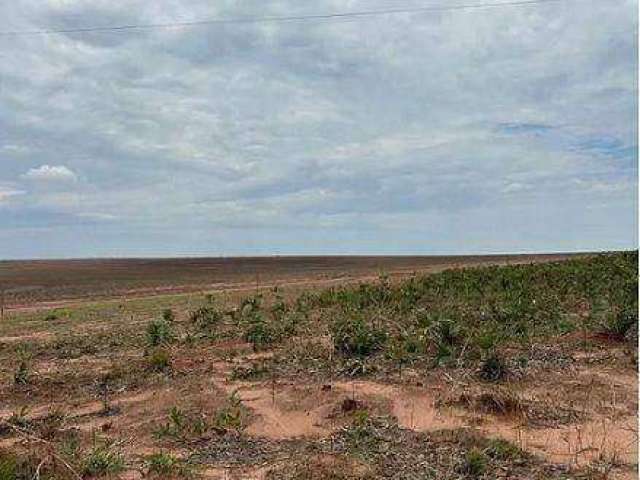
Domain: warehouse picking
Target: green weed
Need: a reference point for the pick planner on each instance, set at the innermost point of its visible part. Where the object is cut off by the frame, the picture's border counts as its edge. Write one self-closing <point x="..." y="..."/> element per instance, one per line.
<point x="159" y="332"/>
<point x="103" y="459"/>
<point x="353" y="336"/>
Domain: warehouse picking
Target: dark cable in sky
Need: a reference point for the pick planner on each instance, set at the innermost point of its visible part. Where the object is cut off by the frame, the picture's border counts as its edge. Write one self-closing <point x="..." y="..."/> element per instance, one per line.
<point x="277" y="19"/>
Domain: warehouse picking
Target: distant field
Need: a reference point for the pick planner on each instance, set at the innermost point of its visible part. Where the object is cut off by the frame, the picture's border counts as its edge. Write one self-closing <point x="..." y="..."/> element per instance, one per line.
<point x="26" y="283"/>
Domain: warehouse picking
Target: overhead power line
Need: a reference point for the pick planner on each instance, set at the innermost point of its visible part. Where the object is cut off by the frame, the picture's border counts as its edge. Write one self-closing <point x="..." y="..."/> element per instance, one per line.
<point x="278" y="19"/>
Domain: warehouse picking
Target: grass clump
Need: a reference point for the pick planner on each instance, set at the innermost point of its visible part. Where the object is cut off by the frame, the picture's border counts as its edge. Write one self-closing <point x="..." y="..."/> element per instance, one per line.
<point x="502" y="450"/>
<point x="163" y="465"/>
<point x="260" y="333"/>
<point x="361" y="436"/>
<point x="232" y="416"/>
<point x="255" y="371"/>
<point x="493" y="368"/>
<point x="618" y="324"/>
<point x="23" y="371"/>
<point x="180" y="425"/>
<point x="159" y="332"/>
<point x="168" y="315"/>
<point x="356" y="337"/>
<point x="206" y="318"/>
<point x="159" y="360"/>
<point x="8" y="466"/>
<point x="19" y="419"/>
<point x="474" y="463"/>
<point x="103" y="459"/>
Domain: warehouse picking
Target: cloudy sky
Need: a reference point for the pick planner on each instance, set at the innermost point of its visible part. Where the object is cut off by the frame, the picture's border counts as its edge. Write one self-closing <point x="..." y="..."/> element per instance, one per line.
<point x="487" y="130"/>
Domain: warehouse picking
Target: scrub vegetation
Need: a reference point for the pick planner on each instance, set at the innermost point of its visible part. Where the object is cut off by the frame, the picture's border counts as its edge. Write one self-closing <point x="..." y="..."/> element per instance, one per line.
<point x="499" y="371"/>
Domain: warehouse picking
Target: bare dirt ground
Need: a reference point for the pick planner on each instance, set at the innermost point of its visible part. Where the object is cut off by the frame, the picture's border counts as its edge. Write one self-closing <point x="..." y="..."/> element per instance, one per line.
<point x="230" y="410"/>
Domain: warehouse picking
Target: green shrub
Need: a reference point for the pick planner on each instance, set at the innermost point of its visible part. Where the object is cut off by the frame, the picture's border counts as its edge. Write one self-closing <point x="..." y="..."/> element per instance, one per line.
<point x="260" y="333"/>
<point x="205" y="318"/>
<point x="356" y="337"/>
<point x="279" y="308"/>
<point x="619" y="323"/>
<point x="255" y="371"/>
<point x="159" y="332"/>
<point x="103" y="459"/>
<point x="23" y="371"/>
<point x="487" y="340"/>
<point x="8" y="466"/>
<point x="21" y="375"/>
<point x="168" y="315"/>
<point x="164" y="465"/>
<point x="444" y="354"/>
<point x="474" y="463"/>
<point x="250" y="306"/>
<point x="233" y="416"/>
<point x="406" y="347"/>
<point x="361" y="435"/>
<point x="503" y="450"/>
<point x="493" y="368"/>
<point x="19" y="418"/>
<point x="52" y="423"/>
<point x="159" y="360"/>
<point x="448" y="332"/>
<point x="174" y="426"/>
<point x="181" y="425"/>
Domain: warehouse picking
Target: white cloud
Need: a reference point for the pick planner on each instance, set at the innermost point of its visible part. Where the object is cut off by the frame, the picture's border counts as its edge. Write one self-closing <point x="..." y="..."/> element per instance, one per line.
<point x="417" y="122"/>
<point x="6" y="193"/>
<point x="97" y="216"/>
<point x="54" y="173"/>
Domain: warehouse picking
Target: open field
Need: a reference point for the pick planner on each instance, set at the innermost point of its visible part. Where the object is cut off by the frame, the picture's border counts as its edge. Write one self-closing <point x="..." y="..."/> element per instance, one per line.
<point x="29" y="283"/>
<point x="513" y="371"/>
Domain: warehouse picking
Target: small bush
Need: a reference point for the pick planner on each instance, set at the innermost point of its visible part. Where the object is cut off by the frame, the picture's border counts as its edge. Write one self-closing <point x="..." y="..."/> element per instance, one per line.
<point x="168" y="315"/>
<point x="500" y="402"/>
<point x="159" y="333"/>
<point x="361" y="436"/>
<point x="103" y="459"/>
<point x="21" y="375"/>
<point x="159" y="360"/>
<point x="355" y="337"/>
<point x="448" y="332"/>
<point x="23" y="371"/>
<point x="8" y="466"/>
<point x="493" y="369"/>
<point x="487" y="340"/>
<point x="259" y="333"/>
<point x="474" y="463"/>
<point x="503" y="450"/>
<point x="181" y="425"/>
<point x="233" y="416"/>
<point x="52" y="424"/>
<point x="255" y="371"/>
<point x="19" y="419"/>
<point x="164" y="465"/>
<point x="444" y="354"/>
<point x="205" y="318"/>
<point x="618" y="324"/>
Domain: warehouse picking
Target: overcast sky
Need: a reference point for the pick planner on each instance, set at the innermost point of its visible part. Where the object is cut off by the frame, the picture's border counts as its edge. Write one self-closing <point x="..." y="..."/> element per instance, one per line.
<point x="498" y="130"/>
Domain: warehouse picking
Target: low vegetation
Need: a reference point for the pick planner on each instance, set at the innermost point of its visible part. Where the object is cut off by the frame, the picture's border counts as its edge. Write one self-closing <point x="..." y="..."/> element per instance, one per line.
<point x="483" y="332"/>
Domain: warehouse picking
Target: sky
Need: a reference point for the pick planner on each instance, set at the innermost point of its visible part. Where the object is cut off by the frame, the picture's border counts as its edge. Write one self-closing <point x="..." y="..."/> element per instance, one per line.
<point x="510" y="129"/>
